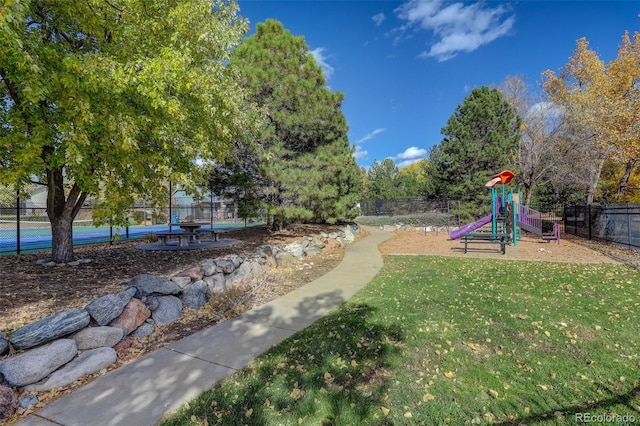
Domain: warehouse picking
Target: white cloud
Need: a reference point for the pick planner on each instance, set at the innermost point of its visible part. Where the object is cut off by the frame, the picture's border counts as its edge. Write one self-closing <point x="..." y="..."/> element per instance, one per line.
<point x="378" y="19"/>
<point x="360" y="154"/>
<point x="409" y="156"/>
<point x="369" y="136"/>
<point x="321" y="58"/>
<point x="412" y="153"/>
<point x="458" y="27"/>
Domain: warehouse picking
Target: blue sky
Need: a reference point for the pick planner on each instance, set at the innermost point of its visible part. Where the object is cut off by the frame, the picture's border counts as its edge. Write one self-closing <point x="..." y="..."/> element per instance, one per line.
<point x="405" y="66"/>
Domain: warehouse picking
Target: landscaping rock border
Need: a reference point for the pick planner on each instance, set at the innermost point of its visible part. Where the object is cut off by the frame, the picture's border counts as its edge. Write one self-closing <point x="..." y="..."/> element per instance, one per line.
<point x="60" y="349"/>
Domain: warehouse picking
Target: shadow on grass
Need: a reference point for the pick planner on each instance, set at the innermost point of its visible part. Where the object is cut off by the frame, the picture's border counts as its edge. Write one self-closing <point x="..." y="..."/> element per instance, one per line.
<point x="581" y="413"/>
<point x="334" y="372"/>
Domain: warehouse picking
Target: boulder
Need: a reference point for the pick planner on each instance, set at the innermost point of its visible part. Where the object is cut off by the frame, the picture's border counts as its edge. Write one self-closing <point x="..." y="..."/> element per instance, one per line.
<point x="239" y="276"/>
<point x="96" y="337"/>
<point x="8" y="403"/>
<point x="235" y="259"/>
<point x="147" y="284"/>
<point x="49" y="328"/>
<point x="151" y="302"/>
<point x="106" y="308"/>
<point x="265" y="255"/>
<point x="331" y="244"/>
<point x="144" y="330"/>
<point x="209" y="267"/>
<point x="225" y="265"/>
<point x="133" y="315"/>
<point x="194" y="273"/>
<point x="348" y="234"/>
<point x="4" y="345"/>
<point x="313" y="251"/>
<point x="297" y="248"/>
<point x="169" y="310"/>
<point x="216" y="283"/>
<point x="316" y="241"/>
<point x="195" y="295"/>
<point x="248" y="272"/>
<point x="36" y="364"/>
<point x="181" y="281"/>
<point x="87" y="362"/>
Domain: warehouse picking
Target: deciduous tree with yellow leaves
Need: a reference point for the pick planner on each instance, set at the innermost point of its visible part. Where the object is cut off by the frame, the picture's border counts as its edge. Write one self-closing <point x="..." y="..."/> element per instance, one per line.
<point x="604" y="101"/>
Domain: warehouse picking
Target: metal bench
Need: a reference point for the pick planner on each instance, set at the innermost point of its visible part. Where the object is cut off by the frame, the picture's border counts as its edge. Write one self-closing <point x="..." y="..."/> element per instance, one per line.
<point x="184" y="238"/>
<point x="212" y="232"/>
<point x="486" y="238"/>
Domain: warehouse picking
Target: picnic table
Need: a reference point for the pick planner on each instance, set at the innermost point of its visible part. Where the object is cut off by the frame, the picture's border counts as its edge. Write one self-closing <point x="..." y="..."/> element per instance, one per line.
<point x="486" y="238"/>
<point x="190" y="234"/>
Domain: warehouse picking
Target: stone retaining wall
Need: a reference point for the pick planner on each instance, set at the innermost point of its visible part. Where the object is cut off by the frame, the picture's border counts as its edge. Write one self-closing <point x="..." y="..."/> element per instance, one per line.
<point x="73" y="343"/>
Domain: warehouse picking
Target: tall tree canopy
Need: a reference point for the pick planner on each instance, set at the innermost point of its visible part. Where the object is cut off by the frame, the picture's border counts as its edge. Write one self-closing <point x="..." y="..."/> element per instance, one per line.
<point x="480" y="139"/>
<point x="540" y="149"/>
<point x="308" y="161"/>
<point x="112" y="98"/>
<point x="604" y="102"/>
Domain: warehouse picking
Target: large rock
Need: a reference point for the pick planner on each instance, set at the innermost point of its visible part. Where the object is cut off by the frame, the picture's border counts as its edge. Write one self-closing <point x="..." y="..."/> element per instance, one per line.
<point x="265" y="255"/>
<point x="225" y="265"/>
<point x="313" y="251"/>
<point x="195" y="273"/>
<point x="36" y="364"/>
<point x="133" y="315"/>
<point x="181" y="281"/>
<point x="248" y="272"/>
<point x="4" y="345"/>
<point x="87" y="362"/>
<point x="216" y="283"/>
<point x="235" y="259"/>
<point x="144" y="330"/>
<point x="147" y="284"/>
<point x="297" y="248"/>
<point x="169" y="310"/>
<point x="49" y="328"/>
<point x="195" y="295"/>
<point x="209" y="267"/>
<point x="97" y="337"/>
<point x="8" y="403"/>
<point x="106" y="308"/>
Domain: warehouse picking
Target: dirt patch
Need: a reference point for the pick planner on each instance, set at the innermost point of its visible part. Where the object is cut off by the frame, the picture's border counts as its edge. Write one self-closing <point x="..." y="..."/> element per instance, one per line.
<point x="569" y="250"/>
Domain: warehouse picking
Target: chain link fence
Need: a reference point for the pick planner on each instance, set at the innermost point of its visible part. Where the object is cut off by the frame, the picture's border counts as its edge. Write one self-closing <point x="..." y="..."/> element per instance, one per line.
<point x="25" y="227"/>
<point x="619" y="224"/>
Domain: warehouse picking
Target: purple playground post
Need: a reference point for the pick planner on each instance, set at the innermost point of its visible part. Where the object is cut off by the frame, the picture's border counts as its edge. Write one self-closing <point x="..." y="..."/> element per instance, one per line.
<point x="470" y="227"/>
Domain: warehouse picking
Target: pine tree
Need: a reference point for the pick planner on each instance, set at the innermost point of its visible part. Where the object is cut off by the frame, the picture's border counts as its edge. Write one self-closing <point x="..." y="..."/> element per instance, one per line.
<point x="308" y="162"/>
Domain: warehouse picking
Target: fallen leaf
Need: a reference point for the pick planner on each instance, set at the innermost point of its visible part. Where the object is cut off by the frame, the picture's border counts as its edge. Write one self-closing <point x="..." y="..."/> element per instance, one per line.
<point x="427" y="397"/>
<point x="449" y="374"/>
<point x="385" y="411"/>
<point x="493" y="393"/>
<point x="408" y="415"/>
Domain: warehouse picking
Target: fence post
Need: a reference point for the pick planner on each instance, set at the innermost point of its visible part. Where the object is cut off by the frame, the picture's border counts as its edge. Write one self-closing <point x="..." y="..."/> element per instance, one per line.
<point x="628" y="226"/>
<point x="17" y="221"/>
<point x="589" y="216"/>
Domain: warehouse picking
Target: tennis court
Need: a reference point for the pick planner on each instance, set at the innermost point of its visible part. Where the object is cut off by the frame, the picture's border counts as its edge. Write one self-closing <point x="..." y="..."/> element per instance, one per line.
<point x="36" y="236"/>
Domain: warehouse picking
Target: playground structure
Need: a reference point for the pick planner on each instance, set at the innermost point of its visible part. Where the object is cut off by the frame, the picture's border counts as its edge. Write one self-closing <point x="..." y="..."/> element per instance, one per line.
<point x="508" y="218"/>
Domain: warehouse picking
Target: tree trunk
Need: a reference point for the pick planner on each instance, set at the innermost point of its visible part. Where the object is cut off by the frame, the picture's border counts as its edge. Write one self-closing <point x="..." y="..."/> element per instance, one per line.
<point x="593" y="184"/>
<point x="62" y="209"/>
<point x="62" y="240"/>
<point x="624" y="181"/>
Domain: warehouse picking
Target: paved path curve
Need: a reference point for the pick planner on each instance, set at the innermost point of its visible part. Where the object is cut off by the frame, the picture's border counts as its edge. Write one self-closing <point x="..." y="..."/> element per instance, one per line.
<point x="139" y="393"/>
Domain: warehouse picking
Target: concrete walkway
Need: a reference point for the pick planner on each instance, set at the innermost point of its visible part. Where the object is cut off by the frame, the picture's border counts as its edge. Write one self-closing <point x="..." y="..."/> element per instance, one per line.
<point x="139" y="393"/>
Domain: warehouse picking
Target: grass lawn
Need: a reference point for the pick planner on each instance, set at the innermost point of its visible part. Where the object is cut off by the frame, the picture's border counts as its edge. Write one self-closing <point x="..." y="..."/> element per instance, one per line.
<point x="435" y="340"/>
